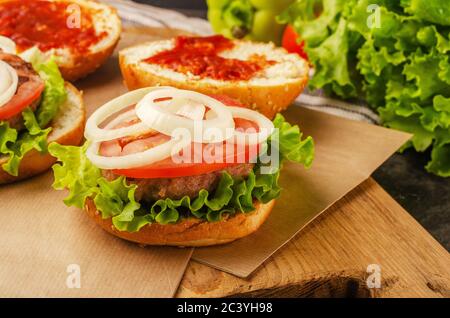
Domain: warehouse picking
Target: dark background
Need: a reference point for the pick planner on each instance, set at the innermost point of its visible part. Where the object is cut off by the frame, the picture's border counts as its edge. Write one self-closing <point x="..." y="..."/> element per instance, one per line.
<point x="425" y="196"/>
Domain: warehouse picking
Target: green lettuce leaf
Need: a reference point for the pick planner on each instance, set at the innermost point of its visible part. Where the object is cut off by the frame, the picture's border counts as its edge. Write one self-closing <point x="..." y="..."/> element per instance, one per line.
<point x="434" y="11"/>
<point x="361" y="13"/>
<point x="331" y="64"/>
<point x="54" y="93"/>
<point x="401" y="66"/>
<point x="116" y="199"/>
<point x="291" y="146"/>
<point x="303" y="16"/>
<point x="15" y="145"/>
<point x="440" y="155"/>
<point x="75" y="173"/>
<point x="378" y="66"/>
<point x="423" y="70"/>
<point x="393" y="117"/>
<point x="444" y="69"/>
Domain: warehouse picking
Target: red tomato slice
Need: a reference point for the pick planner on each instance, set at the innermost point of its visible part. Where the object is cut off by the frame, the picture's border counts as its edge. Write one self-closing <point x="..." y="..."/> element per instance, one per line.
<point x="27" y="93"/>
<point x="291" y="44"/>
<point x="167" y="168"/>
<point x="227" y="100"/>
<point x="170" y="170"/>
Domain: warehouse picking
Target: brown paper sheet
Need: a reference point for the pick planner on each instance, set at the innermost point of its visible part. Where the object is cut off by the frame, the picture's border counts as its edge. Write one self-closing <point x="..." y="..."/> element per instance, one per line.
<point x="347" y="152"/>
<point x="44" y="245"/>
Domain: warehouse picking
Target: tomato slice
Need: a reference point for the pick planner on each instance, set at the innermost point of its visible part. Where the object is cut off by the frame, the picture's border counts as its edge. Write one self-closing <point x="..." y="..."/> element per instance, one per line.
<point x="291" y="44"/>
<point x="231" y="154"/>
<point x="27" y="93"/>
<point x="171" y="170"/>
<point x="227" y="100"/>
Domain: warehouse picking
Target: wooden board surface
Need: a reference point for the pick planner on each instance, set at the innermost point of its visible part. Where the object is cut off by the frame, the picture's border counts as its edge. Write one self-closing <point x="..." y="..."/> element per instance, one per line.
<point x="330" y="257"/>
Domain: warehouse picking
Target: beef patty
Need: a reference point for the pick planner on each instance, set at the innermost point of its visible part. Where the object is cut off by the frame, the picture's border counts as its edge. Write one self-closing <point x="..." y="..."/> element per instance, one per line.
<point x="25" y="73"/>
<point x="175" y="188"/>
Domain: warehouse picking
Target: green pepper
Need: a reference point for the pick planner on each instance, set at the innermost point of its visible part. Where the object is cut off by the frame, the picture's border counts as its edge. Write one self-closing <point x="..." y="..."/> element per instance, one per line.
<point x="247" y="19"/>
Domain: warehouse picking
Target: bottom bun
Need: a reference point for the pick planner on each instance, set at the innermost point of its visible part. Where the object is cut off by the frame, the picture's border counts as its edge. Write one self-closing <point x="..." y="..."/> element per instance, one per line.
<point x="67" y="129"/>
<point x="191" y="231"/>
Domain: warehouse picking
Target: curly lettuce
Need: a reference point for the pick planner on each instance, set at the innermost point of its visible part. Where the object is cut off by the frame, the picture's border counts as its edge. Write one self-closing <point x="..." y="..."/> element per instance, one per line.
<point x="16" y="144"/>
<point x="54" y="94"/>
<point x="116" y="199"/>
<point x="433" y="11"/>
<point x="400" y="66"/>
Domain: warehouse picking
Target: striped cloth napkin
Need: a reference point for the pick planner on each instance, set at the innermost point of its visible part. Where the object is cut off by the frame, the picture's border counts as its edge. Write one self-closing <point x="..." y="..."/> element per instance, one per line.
<point x="141" y="14"/>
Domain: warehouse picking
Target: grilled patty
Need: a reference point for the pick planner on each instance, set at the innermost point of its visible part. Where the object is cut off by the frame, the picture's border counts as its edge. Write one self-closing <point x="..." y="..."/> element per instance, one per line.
<point x="175" y="188"/>
<point x="25" y="73"/>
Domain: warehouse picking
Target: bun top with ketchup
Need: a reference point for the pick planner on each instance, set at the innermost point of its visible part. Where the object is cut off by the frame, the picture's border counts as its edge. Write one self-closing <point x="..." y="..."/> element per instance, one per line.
<point x="263" y="77"/>
<point x="79" y="34"/>
<point x="165" y="166"/>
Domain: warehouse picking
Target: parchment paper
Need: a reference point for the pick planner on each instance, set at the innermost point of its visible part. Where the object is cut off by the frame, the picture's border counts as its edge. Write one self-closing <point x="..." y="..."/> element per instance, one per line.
<point x="49" y="250"/>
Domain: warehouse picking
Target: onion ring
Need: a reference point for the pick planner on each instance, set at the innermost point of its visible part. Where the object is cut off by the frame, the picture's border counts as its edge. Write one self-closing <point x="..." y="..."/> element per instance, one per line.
<point x="164" y="121"/>
<point x="9" y="81"/>
<point x="266" y="127"/>
<point x="7" y="45"/>
<point x="95" y="133"/>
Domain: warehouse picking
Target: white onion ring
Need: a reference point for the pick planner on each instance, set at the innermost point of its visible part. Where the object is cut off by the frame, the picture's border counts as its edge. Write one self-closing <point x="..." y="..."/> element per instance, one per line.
<point x="7" y="45"/>
<point x="163" y="120"/>
<point x="9" y="81"/>
<point x="135" y="160"/>
<point x="265" y="126"/>
<point x="95" y="133"/>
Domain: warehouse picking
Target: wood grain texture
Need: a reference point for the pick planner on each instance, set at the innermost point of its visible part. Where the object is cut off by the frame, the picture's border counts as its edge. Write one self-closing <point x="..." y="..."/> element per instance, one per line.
<point x="330" y="257"/>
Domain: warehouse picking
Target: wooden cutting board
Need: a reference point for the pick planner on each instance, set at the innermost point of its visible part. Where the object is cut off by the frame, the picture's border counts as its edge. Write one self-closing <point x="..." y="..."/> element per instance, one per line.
<point x="330" y="257"/>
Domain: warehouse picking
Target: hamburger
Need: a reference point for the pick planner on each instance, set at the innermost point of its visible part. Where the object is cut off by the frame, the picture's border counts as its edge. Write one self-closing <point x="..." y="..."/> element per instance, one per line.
<point x="36" y="107"/>
<point x="165" y="166"/>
